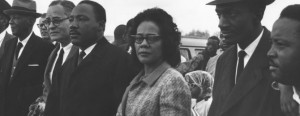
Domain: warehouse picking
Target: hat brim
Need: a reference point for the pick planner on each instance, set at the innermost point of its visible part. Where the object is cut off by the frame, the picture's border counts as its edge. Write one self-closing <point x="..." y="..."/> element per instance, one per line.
<point x="15" y="11"/>
<point x="217" y="2"/>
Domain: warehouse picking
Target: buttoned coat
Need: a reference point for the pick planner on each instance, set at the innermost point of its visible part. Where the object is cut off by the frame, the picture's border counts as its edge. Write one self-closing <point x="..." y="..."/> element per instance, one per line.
<point x="95" y="87"/>
<point x="6" y="37"/>
<point x="252" y="95"/>
<point x="17" y="92"/>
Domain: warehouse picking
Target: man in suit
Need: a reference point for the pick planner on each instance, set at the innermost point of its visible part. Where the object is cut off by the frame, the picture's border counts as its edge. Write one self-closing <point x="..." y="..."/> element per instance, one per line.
<point x="242" y="79"/>
<point x="24" y="61"/>
<point x="4" y="36"/>
<point x="93" y="82"/>
<point x="56" y="20"/>
<point x="284" y="57"/>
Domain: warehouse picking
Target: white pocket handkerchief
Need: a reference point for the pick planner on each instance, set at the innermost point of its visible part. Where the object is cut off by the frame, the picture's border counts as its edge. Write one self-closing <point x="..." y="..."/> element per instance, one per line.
<point x="33" y="65"/>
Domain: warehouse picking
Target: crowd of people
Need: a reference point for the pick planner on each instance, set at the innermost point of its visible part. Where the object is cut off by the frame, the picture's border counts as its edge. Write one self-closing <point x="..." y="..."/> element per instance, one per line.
<point x="72" y="70"/>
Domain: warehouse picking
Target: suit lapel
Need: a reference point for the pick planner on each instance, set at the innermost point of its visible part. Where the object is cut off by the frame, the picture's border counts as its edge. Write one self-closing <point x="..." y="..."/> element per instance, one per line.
<point x="25" y="55"/>
<point x="95" y="53"/>
<point x="73" y="51"/>
<point x="50" y="62"/>
<point x="8" y="58"/>
<point x="228" y="72"/>
<point x="6" y="37"/>
<point x="252" y="73"/>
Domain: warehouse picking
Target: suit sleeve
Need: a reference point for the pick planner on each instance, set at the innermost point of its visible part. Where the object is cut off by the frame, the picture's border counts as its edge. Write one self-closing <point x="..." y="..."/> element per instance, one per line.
<point x="124" y="73"/>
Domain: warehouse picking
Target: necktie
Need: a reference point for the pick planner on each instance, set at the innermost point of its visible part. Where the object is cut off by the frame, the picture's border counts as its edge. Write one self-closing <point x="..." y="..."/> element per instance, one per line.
<point x="80" y="58"/>
<point x="19" y="46"/>
<point x="240" y="69"/>
<point x="58" y="63"/>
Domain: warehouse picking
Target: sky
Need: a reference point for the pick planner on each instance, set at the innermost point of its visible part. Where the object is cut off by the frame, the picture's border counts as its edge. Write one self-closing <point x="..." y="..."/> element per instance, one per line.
<point x="187" y="14"/>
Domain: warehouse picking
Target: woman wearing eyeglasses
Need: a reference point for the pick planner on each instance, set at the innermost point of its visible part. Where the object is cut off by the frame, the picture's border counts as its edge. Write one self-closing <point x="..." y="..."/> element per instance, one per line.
<point x="158" y="90"/>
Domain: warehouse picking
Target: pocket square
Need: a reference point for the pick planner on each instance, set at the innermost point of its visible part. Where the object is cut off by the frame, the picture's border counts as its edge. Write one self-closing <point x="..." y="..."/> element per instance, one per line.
<point x="33" y="65"/>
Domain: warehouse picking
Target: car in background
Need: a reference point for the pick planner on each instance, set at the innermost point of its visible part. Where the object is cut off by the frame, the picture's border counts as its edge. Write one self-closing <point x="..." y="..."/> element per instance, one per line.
<point x="190" y="47"/>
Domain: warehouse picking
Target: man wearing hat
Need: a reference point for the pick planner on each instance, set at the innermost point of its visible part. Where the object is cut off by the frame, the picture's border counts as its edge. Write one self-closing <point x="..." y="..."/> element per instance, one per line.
<point x="242" y="79"/>
<point x="4" y="36"/>
<point x="24" y="60"/>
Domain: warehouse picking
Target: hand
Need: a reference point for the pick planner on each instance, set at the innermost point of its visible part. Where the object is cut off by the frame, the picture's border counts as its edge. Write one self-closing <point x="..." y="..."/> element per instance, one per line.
<point x="288" y="105"/>
<point x="36" y="109"/>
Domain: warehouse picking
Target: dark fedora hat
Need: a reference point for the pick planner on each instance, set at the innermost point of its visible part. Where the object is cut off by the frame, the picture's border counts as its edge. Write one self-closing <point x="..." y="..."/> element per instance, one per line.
<point x="4" y="6"/>
<point x="217" y="2"/>
<point x="24" y="7"/>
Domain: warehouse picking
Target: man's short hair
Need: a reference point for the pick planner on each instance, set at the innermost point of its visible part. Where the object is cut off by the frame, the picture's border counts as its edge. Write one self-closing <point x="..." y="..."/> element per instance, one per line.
<point x="291" y="12"/>
<point x="98" y="10"/>
<point x="215" y="38"/>
<point x="119" y="31"/>
<point x="67" y="5"/>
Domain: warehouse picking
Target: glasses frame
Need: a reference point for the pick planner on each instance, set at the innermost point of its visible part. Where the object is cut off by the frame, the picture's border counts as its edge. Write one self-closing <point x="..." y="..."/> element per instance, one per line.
<point x="150" y="39"/>
<point x="48" y="21"/>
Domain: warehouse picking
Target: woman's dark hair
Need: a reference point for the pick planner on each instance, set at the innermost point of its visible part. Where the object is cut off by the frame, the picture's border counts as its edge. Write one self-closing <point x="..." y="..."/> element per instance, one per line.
<point x="168" y="32"/>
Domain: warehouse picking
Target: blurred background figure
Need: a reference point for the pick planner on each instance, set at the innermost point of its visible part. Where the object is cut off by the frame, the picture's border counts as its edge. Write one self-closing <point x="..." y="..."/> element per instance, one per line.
<point x="126" y="36"/>
<point x="199" y="62"/>
<point x="201" y="84"/>
<point x="43" y="28"/>
<point x="119" y="39"/>
<point x="212" y="62"/>
<point x="4" y="36"/>
<point x="158" y="90"/>
<point x="284" y="58"/>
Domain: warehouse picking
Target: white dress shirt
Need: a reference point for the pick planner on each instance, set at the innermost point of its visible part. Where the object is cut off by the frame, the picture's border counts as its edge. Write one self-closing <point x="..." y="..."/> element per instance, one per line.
<point x="88" y="50"/>
<point x="24" y="42"/>
<point x="2" y="35"/>
<point x="67" y="50"/>
<point x="249" y="51"/>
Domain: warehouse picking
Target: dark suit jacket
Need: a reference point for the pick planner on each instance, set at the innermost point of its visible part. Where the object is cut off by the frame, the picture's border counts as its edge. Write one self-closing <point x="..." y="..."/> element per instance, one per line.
<point x="253" y="94"/>
<point x="96" y="86"/>
<point x="6" y="37"/>
<point x="47" y="81"/>
<point x="52" y="90"/>
<point x="20" y="90"/>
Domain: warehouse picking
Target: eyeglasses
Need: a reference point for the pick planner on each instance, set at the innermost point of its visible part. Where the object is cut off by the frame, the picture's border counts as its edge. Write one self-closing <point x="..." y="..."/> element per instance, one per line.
<point x="55" y="21"/>
<point x="149" y="38"/>
<point x="42" y="25"/>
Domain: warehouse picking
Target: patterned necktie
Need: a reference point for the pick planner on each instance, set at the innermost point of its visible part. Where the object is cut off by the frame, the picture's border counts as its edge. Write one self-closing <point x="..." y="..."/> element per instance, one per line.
<point x="240" y="69"/>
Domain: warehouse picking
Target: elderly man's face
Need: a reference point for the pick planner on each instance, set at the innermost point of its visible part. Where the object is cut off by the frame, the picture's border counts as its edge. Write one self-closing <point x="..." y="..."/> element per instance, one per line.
<point x="285" y="50"/>
<point x="84" y="27"/>
<point x="3" y="22"/>
<point x="59" y="30"/>
<point x="20" y="24"/>
<point x="236" y="21"/>
<point x="43" y="29"/>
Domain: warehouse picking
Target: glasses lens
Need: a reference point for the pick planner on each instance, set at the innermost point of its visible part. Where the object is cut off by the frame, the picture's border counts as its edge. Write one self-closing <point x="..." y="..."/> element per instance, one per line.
<point x="137" y="38"/>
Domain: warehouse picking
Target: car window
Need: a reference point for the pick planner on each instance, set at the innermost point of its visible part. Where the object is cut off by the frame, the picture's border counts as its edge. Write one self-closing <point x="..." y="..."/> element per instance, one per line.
<point x="185" y="53"/>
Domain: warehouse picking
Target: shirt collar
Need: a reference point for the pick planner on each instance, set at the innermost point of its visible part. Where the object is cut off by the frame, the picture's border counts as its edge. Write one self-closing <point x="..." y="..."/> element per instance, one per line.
<point x="88" y="50"/>
<point x="24" y="42"/>
<point x="67" y="47"/>
<point x="250" y="48"/>
<point x="153" y="76"/>
<point x="2" y="35"/>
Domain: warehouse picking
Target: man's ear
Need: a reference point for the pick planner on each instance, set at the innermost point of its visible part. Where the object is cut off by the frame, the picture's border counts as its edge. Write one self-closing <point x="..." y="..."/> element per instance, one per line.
<point x="101" y="26"/>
